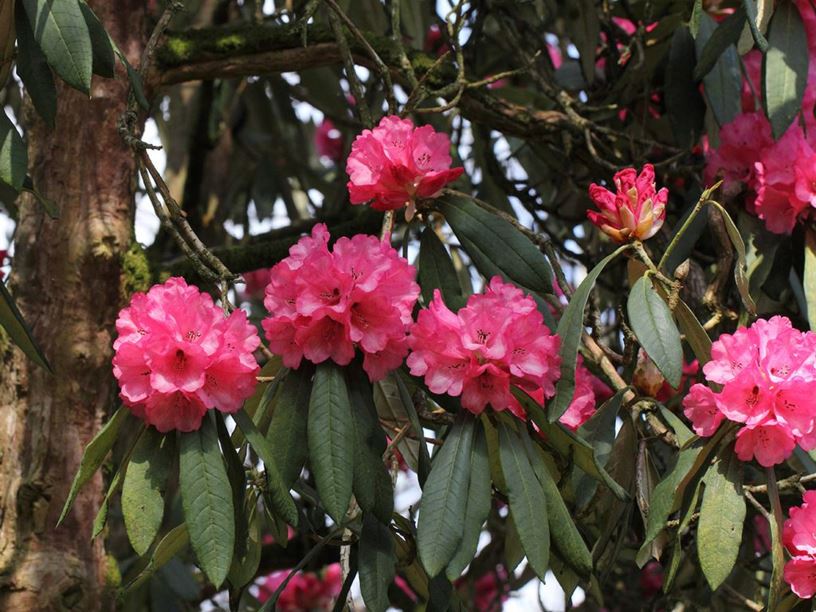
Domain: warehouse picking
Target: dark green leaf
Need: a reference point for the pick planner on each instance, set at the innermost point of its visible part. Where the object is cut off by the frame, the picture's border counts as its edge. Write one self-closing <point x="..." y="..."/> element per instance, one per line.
<point x="144" y="486"/>
<point x="94" y="455"/>
<point x="331" y="439"/>
<point x="722" y="515"/>
<point x="723" y="83"/>
<point x="206" y="498"/>
<point x="696" y="335"/>
<point x="478" y="506"/>
<point x="436" y="271"/>
<point x="784" y="67"/>
<point x="245" y="565"/>
<point x="376" y="563"/>
<point x="34" y="71"/>
<point x="287" y="430"/>
<point x="12" y="321"/>
<point x="528" y="503"/>
<point x="167" y="548"/>
<point x="685" y="105"/>
<point x="726" y="35"/>
<point x="444" y="499"/>
<point x="61" y="32"/>
<point x="13" y="154"/>
<point x="653" y="325"/>
<point x="495" y="246"/>
<point x="570" y="329"/>
<point x="278" y="491"/>
<point x="740" y="266"/>
<point x="757" y="15"/>
<point x="104" y="60"/>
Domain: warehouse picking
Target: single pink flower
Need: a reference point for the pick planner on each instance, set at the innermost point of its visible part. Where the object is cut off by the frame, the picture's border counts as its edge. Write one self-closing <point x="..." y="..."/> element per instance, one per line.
<point x="329" y="141"/>
<point x="255" y="283"/>
<point x="768" y="443"/>
<point x="589" y="393"/>
<point x="326" y="304"/>
<point x="178" y="356"/>
<point x="305" y="591"/>
<point x="395" y="164"/>
<point x="800" y="574"/>
<point x="497" y="340"/>
<point x="636" y="211"/>
<point x="700" y="406"/>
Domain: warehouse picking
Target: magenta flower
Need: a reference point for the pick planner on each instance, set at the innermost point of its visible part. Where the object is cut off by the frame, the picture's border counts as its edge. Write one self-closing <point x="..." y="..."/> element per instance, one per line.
<point x="768" y="378"/>
<point x="636" y="211"/>
<point x="799" y="536"/>
<point x="323" y="304"/>
<point x="497" y="340"/>
<point x="177" y="356"/>
<point x="395" y="164"/>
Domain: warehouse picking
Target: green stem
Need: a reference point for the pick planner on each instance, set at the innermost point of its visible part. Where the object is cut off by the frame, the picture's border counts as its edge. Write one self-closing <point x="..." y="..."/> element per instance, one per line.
<point x="704" y="197"/>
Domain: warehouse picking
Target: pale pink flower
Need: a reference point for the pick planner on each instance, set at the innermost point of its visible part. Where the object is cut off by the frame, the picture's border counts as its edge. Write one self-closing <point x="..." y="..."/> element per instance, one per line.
<point x="325" y="304"/>
<point x="497" y="340"/>
<point x="178" y="355"/>
<point x="799" y="536"/>
<point x="395" y="164"/>
<point x="636" y="210"/>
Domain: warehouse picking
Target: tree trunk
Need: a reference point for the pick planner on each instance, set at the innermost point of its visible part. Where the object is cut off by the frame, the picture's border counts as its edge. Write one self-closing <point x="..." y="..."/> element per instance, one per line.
<point x="66" y="279"/>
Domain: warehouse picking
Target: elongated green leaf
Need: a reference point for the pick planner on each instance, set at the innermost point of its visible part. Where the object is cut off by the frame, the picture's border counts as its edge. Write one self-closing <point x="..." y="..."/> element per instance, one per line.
<point x="444" y="499"/>
<point x="784" y="67"/>
<point x="726" y="35"/>
<point x="563" y="532"/>
<point x="376" y="563"/>
<point x="12" y="321"/>
<point x="167" y="548"/>
<point x="653" y="325"/>
<point x="741" y="266"/>
<point x="13" y="154"/>
<point x="279" y="492"/>
<point x="238" y="485"/>
<point x="331" y="439"/>
<point x="287" y="430"/>
<point x="570" y="328"/>
<point x="34" y="71"/>
<point x="478" y="506"/>
<point x="723" y="82"/>
<point x="685" y="105"/>
<point x="94" y="455"/>
<point x="245" y="565"/>
<point x="528" y="502"/>
<point x="722" y="515"/>
<point x="423" y="457"/>
<point x="62" y="33"/>
<point x="695" y="333"/>
<point x="568" y="445"/>
<point x="103" y="58"/>
<point x="206" y="498"/>
<point x="144" y="487"/>
<point x="495" y="246"/>
<point x="372" y="483"/>
<point x="758" y="14"/>
<point x="436" y="271"/>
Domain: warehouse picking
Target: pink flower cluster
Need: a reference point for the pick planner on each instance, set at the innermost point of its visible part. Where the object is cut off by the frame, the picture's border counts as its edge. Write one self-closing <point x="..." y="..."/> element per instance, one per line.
<point x="636" y="211"/>
<point x="177" y="356"/>
<point x="799" y="536"/>
<point x="768" y="378"/>
<point x="324" y="303"/>
<point x="305" y="591"/>
<point x="395" y="164"/>
<point x="779" y="177"/>
<point x="497" y="340"/>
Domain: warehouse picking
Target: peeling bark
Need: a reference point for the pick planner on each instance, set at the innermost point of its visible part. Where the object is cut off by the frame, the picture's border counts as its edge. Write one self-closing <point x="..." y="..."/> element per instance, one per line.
<point x="66" y="280"/>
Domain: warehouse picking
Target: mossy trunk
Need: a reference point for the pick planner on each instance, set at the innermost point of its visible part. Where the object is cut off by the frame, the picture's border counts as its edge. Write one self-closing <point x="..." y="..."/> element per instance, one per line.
<point x="66" y="279"/>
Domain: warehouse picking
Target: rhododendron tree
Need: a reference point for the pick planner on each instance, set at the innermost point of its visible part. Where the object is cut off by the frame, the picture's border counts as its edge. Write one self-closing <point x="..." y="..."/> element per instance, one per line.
<point x="407" y="304"/>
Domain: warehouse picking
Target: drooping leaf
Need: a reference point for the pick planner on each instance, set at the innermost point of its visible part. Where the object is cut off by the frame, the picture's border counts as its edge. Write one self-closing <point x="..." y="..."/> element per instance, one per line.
<point x="278" y="491"/>
<point x="376" y="563"/>
<point x="13" y="154"/>
<point x="331" y="439"/>
<point x="722" y="516"/>
<point x="723" y="37"/>
<point x="144" y="486"/>
<point x="528" y="502"/>
<point x="654" y="326"/>
<point x="723" y="83"/>
<point x="570" y="328"/>
<point x="444" y="499"/>
<point x="94" y="455"/>
<point x="784" y="68"/>
<point x="740" y="267"/>
<point x="12" y="321"/>
<point x="206" y="499"/>
<point x="477" y="509"/>
<point x="61" y="32"/>
<point x="245" y="565"/>
<point x="168" y="547"/>
<point x="436" y="271"/>
<point x="758" y="14"/>
<point x="287" y="429"/>
<point x="104" y="59"/>
<point x="34" y="71"/>
<point x="495" y="246"/>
